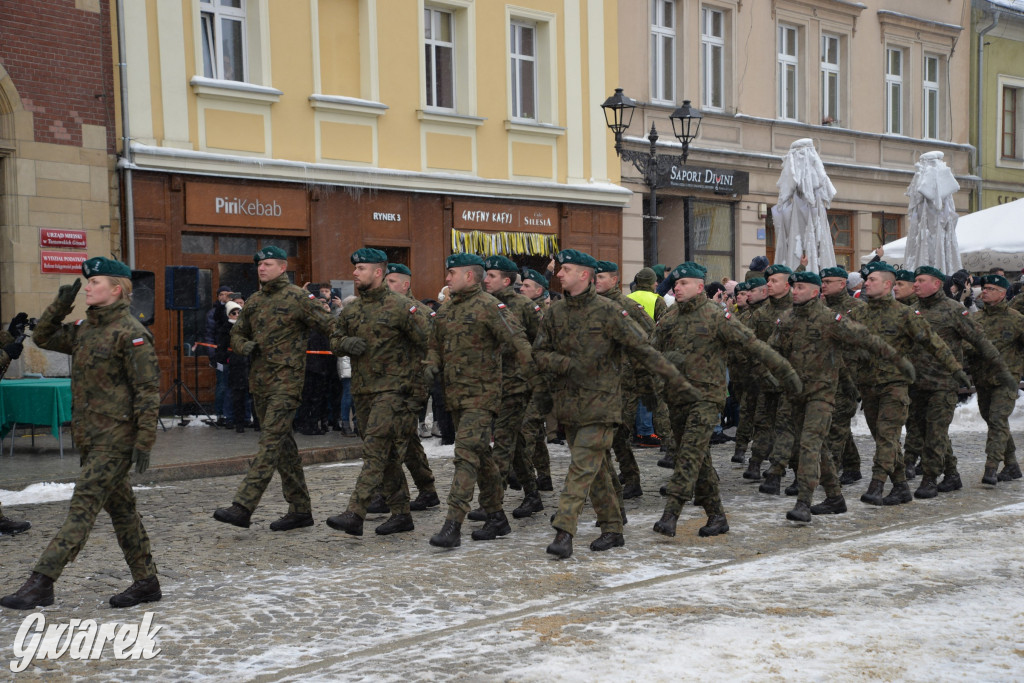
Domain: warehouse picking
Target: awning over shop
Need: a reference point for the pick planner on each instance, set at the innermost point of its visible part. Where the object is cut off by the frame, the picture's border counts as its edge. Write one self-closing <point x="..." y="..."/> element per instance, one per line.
<point x="504" y="243"/>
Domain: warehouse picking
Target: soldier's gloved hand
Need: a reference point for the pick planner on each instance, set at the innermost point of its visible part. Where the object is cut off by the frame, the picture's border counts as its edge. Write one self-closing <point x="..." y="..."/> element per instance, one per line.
<point x="13" y="350"/>
<point x="961" y="379"/>
<point x="542" y="402"/>
<point x="248" y="348"/>
<point x="1005" y="378"/>
<point x="430" y="374"/>
<point x="680" y="391"/>
<point x="908" y="370"/>
<point x="67" y="293"/>
<point x="353" y="346"/>
<point x="17" y="326"/>
<point x="141" y="460"/>
<point x="792" y="384"/>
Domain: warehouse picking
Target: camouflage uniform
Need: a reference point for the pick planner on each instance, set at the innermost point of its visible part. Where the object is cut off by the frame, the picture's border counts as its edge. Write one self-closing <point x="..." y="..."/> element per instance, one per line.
<point x="840" y="438"/>
<point x="581" y="345"/>
<point x="278" y="318"/>
<point x="749" y="387"/>
<point x="115" y="400"/>
<point x="771" y="413"/>
<point x="912" y="443"/>
<point x="471" y="330"/>
<point x="387" y="388"/>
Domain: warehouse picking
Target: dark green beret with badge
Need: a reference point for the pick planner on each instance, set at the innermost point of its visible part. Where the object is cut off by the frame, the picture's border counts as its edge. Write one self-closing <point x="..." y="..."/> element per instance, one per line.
<point x="269" y="252"/>
<point x="659" y="270"/>
<point x="834" y="271"/>
<point x="805" y="276"/>
<point x="755" y="282"/>
<point x="462" y="260"/>
<point x="531" y="274"/>
<point x="776" y="269"/>
<point x="368" y="255"/>
<point x="741" y="287"/>
<point x="689" y="269"/>
<point x="606" y="267"/>
<point x="399" y="269"/>
<point x="931" y="270"/>
<point x="577" y="258"/>
<point x="99" y="265"/>
<point x="879" y="267"/>
<point x="502" y="263"/>
<point x="905" y="275"/>
<point x="995" y="279"/>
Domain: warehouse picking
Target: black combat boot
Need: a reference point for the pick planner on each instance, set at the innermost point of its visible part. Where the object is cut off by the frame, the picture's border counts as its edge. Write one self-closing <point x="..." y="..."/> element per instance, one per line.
<point x="513" y="482"/>
<point x="739" y="456"/>
<point x="663" y="491"/>
<point x="478" y="515"/>
<point x="801" y="512"/>
<point x="395" y="524"/>
<point x="143" y="590"/>
<point x="497" y="525"/>
<point x="898" y="495"/>
<point x="830" y="506"/>
<point x="927" y="489"/>
<point x="1010" y="472"/>
<point x="607" y="541"/>
<point x="377" y="505"/>
<point x="911" y="471"/>
<point x="236" y="514"/>
<point x="794" y="488"/>
<point x="531" y="503"/>
<point x="753" y="471"/>
<point x="632" y="490"/>
<point x="717" y="524"/>
<point x="544" y="483"/>
<point x="9" y="527"/>
<point x="950" y="482"/>
<point x="292" y="520"/>
<point x="667" y="524"/>
<point x="450" y="535"/>
<point x="424" y="500"/>
<point x="347" y="521"/>
<point x="849" y="476"/>
<point x="36" y="592"/>
<point x="990" y="475"/>
<point x="562" y="545"/>
<point x="771" y="484"/>
<point x="667" y="461"/>
<point x="873" y="496"/>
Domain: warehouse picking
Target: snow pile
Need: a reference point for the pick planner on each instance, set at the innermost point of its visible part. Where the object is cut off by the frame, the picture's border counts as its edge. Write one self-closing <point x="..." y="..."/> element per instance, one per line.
<point x="45" y="492"/>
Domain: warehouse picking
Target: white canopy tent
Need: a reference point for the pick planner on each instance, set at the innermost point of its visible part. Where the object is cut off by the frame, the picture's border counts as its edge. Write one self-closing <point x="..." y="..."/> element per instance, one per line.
<point x="988" y="238"/>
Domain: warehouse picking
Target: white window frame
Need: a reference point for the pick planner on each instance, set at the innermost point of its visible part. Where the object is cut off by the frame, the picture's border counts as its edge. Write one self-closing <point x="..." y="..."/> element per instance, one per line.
<point x="931" y="98"/>
<point x="831" y="79"/>
<point x="435" y="44"/>
<point x="1017" y="160"/>
<point x="895" y="110"/>
<point x="660" y="62"/>
<point x="517" y="61"/>
<point x="709" y="45"/>
<point x="212" y="14"/>
<point x="788" y="63"/>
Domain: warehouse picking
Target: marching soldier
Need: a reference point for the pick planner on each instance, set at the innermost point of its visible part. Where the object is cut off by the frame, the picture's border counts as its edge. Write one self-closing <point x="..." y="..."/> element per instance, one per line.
<point x="535" y="288"/>
<point x="10" y="349"/>
<point x="755" y="292"/>
<point x="115" y="399"/>
<point x="903" y="291"/>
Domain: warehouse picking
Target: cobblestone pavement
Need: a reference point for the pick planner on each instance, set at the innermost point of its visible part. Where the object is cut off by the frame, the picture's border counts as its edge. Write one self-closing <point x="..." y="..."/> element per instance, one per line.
<point x="895" y="593"/>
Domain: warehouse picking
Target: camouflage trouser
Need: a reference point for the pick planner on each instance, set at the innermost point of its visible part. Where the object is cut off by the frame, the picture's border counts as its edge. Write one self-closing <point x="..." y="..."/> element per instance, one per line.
<point x="509" y="443"/>
<point x="885" y="409"/>
<point x="473" y="464"/>
<point x="929" y="416"/>
<point x="995" y="405"/>
<point x="785" y="448"/>
<point x="385" y="423"/>
<point x="415" y="459"/>
<point x="913" y="442"/>
<point x="590" y="474"/>
<point x="694" y="476"/>
<point x="535" y="443"/>
<point x="621" y="446"/>
<point x="102" y="484"/>
<point x="748" y="404"/>
<point x="279" y="453"/>
<point x="811" y="421"/>
<point x="764" y="426"/>
<point x="840" y="440"/>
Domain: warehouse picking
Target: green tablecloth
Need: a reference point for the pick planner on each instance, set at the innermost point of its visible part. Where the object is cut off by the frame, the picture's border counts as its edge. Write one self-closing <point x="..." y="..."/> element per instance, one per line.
<point x="35" y="402"/>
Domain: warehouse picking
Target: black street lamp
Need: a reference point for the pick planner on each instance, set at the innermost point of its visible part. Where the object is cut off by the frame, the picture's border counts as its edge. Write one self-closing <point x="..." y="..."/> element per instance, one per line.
<point x="654" y="168"/>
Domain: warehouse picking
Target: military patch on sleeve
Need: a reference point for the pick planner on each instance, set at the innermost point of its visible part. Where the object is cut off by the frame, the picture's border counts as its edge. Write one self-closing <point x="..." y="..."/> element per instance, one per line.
<point x="778" y="321"/>
<point x="413" y="309"/>
<point x="138" y="341"/>
<point x="839" y="316"/>
<point x="311" y="296"/>
<point x="79" y="322"/>
<point x="917" y="312"/>
<point x="433" y="314"/>
<point x="501" y="306"/>
<point x="728" y="315"/>
<point x="625" y="314"/>
<point x="536" y="308"/>
<point x="966" y="312"/>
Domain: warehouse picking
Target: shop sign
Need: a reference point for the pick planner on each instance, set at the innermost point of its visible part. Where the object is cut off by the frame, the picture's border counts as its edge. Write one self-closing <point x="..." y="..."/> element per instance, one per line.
<point x="246" y="206"/>
<point x="62" y="261"/>
<point x="717" y="180"/>
<point x="505" y="217"/>
<point x="49" y="237"/>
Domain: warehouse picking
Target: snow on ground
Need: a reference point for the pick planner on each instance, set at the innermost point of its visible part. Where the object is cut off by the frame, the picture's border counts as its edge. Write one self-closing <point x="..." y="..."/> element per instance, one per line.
<point x="44" y="492"/>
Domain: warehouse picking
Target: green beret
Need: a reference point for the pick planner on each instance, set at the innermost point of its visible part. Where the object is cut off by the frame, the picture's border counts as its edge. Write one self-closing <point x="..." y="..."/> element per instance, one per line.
<point x="879" y="267"/>
<point x="755" y="282"/>
<point x="461" y="260"/>
<point x="741" y="287"/>
<point x="606" y="267"/>
<point x="931" y="270"/>
<point x="776" y="269"/>
<point x="659" y="270"/>
<point x="577" y="258"/>
<point x="531" y="274"/>
<point x="399" y="268"/>
<point x="690" y="269"/>
<point x="502" y="263"/>
<point x="99" y="265"/>
<point x="905" y="275"/>
<point x="834" y="271"/>
<point x="270" y="252"/>
<point x="997" y="280"/>
<point x="805" y="276"/>
<point x="646" y="277"/>
<point x="369" y="255"/>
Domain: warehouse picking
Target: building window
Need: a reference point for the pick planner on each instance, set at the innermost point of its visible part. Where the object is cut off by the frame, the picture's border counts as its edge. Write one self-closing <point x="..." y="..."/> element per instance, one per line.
<point x="894" y="91"/>
<point x="663" y="50"/>
<point x="712" y="48"/>
<point x="789" y="64"/>
<point x="223" y="28"/>
<point x="841" y="224"/>
<point x="439" y="46"/>
<point x="710" y="237"/>
<point x="931" y="97"/>
<point x="886" y="227"/>
<point x="523" y="58"/>
<point x="1010" y="143"/>
<point x="829" y="79"/>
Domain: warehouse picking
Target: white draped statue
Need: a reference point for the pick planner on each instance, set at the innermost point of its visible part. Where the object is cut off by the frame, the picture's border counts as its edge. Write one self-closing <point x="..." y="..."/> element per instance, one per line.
<point x="931" y="229"/>
<point x="801" y="223"/>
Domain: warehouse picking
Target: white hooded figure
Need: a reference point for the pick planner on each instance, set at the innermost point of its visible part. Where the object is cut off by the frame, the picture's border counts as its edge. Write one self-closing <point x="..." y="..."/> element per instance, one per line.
<point x="801" y="222"/>
<point x="931" y="230"/>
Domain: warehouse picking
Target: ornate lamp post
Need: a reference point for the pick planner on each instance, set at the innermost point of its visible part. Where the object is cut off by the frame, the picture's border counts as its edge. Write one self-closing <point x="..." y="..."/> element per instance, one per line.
<point x="653" y="167"/>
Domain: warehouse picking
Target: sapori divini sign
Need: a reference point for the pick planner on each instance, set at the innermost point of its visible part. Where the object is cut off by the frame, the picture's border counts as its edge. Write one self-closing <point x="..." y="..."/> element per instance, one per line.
<point x="244" y="206"/>
<point x="717" y="180"/>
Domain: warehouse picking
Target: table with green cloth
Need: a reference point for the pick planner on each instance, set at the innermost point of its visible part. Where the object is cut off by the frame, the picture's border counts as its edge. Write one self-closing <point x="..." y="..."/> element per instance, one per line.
<point x="44" y="401"/>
